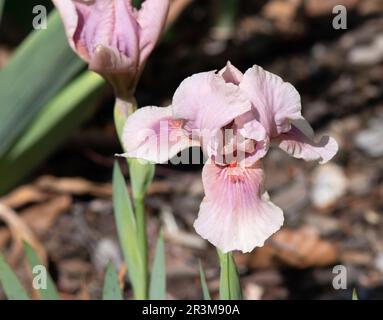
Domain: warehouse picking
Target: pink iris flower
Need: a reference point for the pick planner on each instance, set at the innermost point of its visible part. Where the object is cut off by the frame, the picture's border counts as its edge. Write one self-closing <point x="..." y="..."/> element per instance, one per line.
<point x="258" y="109"/>
<point x="114" y="37"/>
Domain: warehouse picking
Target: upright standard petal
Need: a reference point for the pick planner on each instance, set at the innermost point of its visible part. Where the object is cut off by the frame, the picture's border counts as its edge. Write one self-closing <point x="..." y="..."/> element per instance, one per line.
<point x="275" y="102"/>
<point x="111" y="24"/>
<point x="244" y="142"/>
<point x="235" y="213"/>
<point x="252" y="131"/>
<point x="74" y="15"/>
<point x="231" y="74"/>
<point x="151" y="19"/>
<point x="301" y="146"/>
<point x="151" y="134"/>
<point x="106" y="35"/>
<point x="207" y="103"/>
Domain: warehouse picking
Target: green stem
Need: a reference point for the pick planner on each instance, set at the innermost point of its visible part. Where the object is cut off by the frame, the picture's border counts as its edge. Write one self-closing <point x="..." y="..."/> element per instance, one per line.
<point x="139" y="209"/>
<point x="122" y="110"/>
<point x="230" y="286"/>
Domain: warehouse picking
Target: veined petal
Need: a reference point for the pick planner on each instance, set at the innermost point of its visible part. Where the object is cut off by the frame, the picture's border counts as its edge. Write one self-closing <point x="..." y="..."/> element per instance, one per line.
<point x="275" y="102"/>
<point x="207" y="102"/>
<point x="245" y="143"/>
<point x="99" y="26"/>
<point x="107" y="60"/>
<point x="250" y="128"/>
<point x="235" y="213"/>
<point x="256" y="141"/>
<point x="94" y="24"/>
<point x="126" y="30"/>
<point x="112" y="24"/>
<point x="301" y="146"/>
<point x="151" y="134"/>
<point x="302" y="125"/>
<point x="151" y="19"/>
<point x="231" y="74"/>
<point x="74" y="14"/>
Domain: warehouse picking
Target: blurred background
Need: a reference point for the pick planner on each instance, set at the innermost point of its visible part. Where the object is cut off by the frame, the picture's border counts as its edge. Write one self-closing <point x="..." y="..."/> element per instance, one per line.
<point x="57" y="142"/>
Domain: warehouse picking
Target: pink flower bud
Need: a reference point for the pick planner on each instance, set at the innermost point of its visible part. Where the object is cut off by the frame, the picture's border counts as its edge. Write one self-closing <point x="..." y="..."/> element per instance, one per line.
<point x="114" y="37"/>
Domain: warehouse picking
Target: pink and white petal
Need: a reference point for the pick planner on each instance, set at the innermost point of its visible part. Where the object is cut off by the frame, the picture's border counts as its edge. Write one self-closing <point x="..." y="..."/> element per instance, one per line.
<point x="99" y="26"/>
<point x="107" y="60"/>
<point x="207" y="102"/>
<point x="235" y="214"/>
<point x="126" y="30"/>
<point x="300" y="146"/>
<point x="302" y="125"/>
<point x="256" y="153"/>
<point x="251" y="128"/>
<point x="231" y="74"/>
<point x="275" y="102"/>
<point x="220" y="146"/>
<point x="151" y="134"/>
<point x="71" y="17"/>
<point x="151" y="18"/>
<point x="253" y="141"/>
<point x="109" y="23"/>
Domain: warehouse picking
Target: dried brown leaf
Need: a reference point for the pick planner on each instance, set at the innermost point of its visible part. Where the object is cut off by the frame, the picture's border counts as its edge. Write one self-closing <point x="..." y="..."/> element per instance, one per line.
<point x="75" y="186"/>
<point x="22" y="196"/>
<point x="20" y="232"/>
<point x="300" y="248"/>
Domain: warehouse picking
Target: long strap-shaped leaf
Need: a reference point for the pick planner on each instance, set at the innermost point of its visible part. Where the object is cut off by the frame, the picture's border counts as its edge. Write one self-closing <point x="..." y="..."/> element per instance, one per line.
<point x="158" y="277"/>
<point x="205" y="289"/>
<point x="230" y="287"/>
<point x="127" y="232"/>
<point x="2" y="2"/>
<point x="41" y="66"/>
<point x="49" y="292"/>
<point x="58" y="120"/>
<point x="112" y="290"/>
<point x="11" y="285"/>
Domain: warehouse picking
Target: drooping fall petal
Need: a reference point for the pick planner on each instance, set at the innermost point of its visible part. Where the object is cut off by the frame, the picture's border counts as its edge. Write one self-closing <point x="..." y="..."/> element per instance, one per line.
<point x="235" y="213"/>
<point x="300" y="146"/>
<point x="151" y="134"/>
<point x="275" y="102"/>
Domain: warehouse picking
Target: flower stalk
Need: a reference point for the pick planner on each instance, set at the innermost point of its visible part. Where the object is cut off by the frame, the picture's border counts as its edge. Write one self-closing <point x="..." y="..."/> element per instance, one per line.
<point x="230" y="286"/>
<point x="141" y="175"/>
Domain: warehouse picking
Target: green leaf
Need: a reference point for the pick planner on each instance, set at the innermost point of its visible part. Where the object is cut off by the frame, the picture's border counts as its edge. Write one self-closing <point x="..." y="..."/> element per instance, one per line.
<point x="354" y="294"/>
<point x="50" y="292"/>
<point x="54" y="124"/>
<point x="41" y="66"/>
<point x="2" y="2"/>
<point x="11" y="285"/>
<point x="112" y="290"/>
<point x="157" y="289"/>
<point x="205" y="289"/>
<point x="230" y="286"/>
<point x="127" y="232"/>
<point x="141" y="176"/>
<point x="226" y="14"/>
